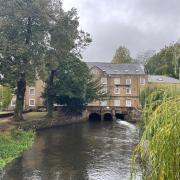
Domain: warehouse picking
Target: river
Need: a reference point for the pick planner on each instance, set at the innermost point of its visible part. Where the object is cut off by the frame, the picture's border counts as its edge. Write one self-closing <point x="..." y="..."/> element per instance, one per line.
<point x="87" y="151"/>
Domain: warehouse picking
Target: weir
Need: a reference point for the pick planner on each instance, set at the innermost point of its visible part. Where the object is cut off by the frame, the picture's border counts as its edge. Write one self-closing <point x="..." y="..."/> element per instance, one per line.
<point x="98" y="113"/>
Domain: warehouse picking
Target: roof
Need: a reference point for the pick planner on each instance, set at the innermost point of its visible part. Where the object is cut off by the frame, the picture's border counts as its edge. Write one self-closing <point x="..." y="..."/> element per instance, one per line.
<point x="112" y="68"/>
<point x="162" y="79"/>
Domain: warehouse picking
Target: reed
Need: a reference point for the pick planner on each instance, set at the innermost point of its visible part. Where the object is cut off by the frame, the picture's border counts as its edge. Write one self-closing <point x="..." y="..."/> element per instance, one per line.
<point x="159" y="147"/>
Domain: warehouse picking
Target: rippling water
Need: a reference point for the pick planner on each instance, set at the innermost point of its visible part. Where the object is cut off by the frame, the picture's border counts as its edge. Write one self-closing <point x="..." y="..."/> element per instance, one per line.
<point x="89" y="151"/>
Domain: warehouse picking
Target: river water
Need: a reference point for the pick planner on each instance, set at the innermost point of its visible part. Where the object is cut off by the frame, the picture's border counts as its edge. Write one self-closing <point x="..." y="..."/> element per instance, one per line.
<point x="88" y="151"/>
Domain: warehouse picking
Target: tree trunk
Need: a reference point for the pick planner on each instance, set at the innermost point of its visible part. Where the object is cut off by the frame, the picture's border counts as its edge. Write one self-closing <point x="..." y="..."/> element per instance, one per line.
<point x="21" y="89"/>
<point x="21" y="84"/>
<point x="50" y="94"/>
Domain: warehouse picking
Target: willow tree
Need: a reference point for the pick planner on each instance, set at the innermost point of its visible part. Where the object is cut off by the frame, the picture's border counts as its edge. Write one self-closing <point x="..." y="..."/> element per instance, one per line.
<point x="159" y="147"/>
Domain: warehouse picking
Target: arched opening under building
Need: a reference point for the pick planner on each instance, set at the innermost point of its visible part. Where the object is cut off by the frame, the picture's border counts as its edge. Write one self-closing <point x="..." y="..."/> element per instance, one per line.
<point x="120" y="116"/>
<point x="108" y="117"/>
<point x="94" y="117"/>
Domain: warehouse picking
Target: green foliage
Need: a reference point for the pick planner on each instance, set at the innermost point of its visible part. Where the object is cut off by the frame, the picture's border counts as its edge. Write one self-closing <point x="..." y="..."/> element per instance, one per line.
<point x="35" y="36"/>
<point x="166" y="62"/>
<point x="65" y="38"/>
<point x="159" y="147"/>
<point x="23" y="32"/>
<point x="122" y="55"/>
<point x="13" y="144"/>
<point x="74" y="86"/>
<point x="5" y="96"/>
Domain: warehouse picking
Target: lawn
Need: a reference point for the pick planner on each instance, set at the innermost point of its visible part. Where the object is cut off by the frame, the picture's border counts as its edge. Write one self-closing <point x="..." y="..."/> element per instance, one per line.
<point x="5" y="112"/>
<point x="35" y="114"/>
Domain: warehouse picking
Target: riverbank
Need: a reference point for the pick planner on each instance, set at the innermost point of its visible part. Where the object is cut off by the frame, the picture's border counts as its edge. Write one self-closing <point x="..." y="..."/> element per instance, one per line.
<point x="13" y="143"/>
<point x="14" y="140"/>
<point x="39" y="120"/>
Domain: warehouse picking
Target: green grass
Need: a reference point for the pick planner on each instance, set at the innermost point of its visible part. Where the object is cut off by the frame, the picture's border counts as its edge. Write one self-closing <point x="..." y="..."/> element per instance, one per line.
<point x="35" y="114"/>
<point x="5" y="112"/>
<point x="12" y="144"/>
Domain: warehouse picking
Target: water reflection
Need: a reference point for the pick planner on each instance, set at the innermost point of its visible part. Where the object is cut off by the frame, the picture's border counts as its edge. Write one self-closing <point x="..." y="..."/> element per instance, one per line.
<point x="95" y="151"/>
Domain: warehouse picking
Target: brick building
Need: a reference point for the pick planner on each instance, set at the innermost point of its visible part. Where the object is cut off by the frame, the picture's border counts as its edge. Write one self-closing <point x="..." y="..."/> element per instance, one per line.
<point x="33" y="96"/>
<point x="122" y="82"/>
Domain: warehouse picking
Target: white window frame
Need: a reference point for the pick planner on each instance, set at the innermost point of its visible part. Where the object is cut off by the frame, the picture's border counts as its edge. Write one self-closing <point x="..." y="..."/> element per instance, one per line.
<point x="142" y="81"/>
<point x="128" y="81"/>
<point x="128" y="103"/>
<point x="104" y="80"/>
<point x="115" y="103"/>
<point x="103" y="103"/>
<point x="117" y="81"/>
<point x="30" y="102"/>
<point x="128" y="88"/>
<point x="32" y="88"/>
<point x="118" y="90"/>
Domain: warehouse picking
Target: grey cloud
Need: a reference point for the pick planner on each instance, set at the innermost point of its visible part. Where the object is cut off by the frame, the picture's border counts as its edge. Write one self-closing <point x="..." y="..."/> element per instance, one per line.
<point x="137" y="24"/>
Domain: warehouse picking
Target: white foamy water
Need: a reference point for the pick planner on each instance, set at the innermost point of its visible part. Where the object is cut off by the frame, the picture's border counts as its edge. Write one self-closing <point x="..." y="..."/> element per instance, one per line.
<point x="125" y="123"/>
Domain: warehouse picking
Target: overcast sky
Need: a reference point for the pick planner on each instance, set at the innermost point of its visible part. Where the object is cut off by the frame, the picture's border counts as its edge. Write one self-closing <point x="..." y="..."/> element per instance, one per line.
<point x="139" y="25"/>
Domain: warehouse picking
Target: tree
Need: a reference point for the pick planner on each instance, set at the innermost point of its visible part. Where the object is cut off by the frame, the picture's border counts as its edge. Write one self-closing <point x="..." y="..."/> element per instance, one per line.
<point x="35" y="36"/>
<point x="159" y="147"/>
<point x="23" y="30"/>
<point x="122" y="55"/>
<point x="165" y="62"/>
<point x="66" y="38"/>
<point x="74" y="86"/>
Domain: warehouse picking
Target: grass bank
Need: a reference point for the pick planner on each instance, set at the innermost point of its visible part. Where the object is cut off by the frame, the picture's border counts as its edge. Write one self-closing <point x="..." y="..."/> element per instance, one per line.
<point x="13" y="143"/>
